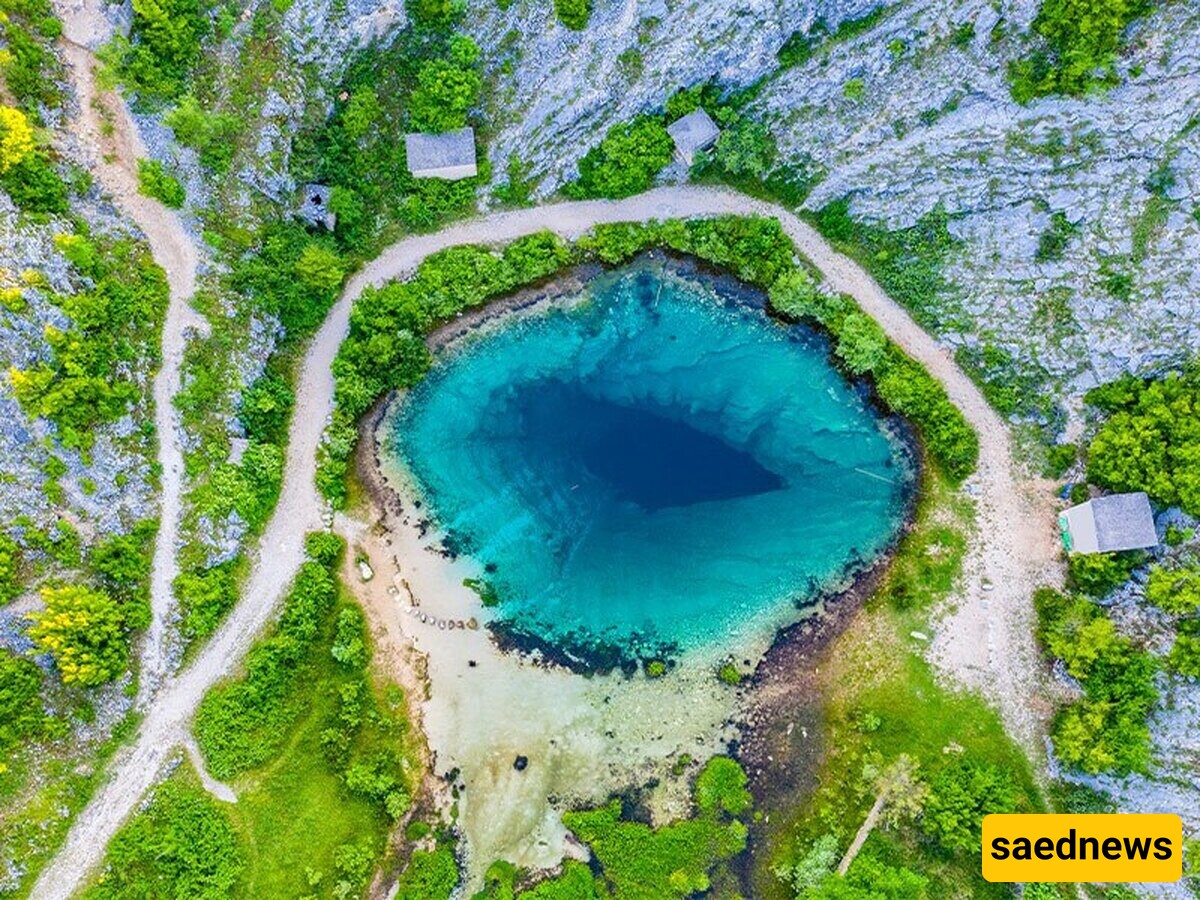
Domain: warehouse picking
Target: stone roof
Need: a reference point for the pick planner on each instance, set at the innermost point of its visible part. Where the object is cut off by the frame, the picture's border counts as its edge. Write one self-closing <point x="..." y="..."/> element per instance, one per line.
<point x="434" y="152"/>
<point x="693" y="132"/>
<point x="1124" y="522"/>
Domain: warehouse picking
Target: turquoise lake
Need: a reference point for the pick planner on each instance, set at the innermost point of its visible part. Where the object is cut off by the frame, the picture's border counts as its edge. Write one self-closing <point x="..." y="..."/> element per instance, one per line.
<point x="656" y="461"/>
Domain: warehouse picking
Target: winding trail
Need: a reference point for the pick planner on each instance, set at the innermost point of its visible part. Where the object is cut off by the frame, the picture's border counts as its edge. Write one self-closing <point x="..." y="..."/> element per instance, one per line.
<point x="1008" y="557"/>
<point x="105" y="126"/>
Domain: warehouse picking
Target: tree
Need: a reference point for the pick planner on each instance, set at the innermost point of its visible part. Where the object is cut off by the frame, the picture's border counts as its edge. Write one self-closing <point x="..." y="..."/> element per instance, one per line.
<point x="961" y="793"/>
<point x="1176" y="591"/>
<point x="861" y="343"/>
<point x="626" y="161"/>
<point x="320" y="268"/>
<point x="446" y="90"/>
<point x="16" y="137"/>
<point x="84" y="630"/>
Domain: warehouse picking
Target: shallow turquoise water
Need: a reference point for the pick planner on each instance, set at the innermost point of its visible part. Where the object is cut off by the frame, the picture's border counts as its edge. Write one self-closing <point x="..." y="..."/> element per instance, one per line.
<point x="659" y="460"/>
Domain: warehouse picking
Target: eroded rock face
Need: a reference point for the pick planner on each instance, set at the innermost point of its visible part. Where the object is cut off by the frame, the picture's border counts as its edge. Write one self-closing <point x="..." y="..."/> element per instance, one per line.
<point x="935" y="126"/>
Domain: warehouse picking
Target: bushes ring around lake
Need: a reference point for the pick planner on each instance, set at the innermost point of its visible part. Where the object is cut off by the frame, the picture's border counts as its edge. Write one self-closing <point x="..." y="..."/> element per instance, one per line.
<point x="385" y="349"/>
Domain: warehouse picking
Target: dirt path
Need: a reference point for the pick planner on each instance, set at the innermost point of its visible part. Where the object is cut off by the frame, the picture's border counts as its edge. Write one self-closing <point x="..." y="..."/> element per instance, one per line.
<point x="988" y="642"/>
<point x="103" y="126"/>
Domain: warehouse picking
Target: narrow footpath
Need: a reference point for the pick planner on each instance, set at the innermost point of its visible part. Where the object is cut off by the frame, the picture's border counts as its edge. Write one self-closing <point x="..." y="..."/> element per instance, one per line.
<point x="987" y="643"/>
<point x="116" y="151"/>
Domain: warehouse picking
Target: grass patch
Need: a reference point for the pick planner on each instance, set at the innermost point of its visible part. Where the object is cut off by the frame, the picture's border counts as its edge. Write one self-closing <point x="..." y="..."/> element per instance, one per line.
<point x="883" y="703"/>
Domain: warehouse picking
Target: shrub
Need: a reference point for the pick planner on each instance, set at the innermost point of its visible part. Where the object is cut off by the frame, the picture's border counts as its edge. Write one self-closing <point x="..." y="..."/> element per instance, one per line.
<point x="429" y="875"/>
<point x="34" y="185"/>
<point x="625" y="162"/>
<point x="181" y="845"/>
<point x="861" y="343"/>
<point x="163" y="46"/>
<point x="155" y="181"/>
<point x="10" y="568"/>
<point x="721" y="787"/>
<point x="961" y="793"/>
<point x="573" y="13"/>
<point x="16" y="137"/>
<point x="1184" y="657"/>
<point x="22" y="715"/>
<point x="85" y="631"/>
<point x="446" y="90"/>
<point x="1176" y="591"/>
<point x="205" y="595"/>
<point x="1098" y="573"/>
<point x="265" y="407"/>
<point x="212" y="134"/>
<point x="1080" y="42"/>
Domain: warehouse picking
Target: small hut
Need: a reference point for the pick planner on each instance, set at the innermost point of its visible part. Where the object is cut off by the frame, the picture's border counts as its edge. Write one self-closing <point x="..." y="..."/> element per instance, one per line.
<point x="1109" y="524"/>
<point x="314" y="206"/>
<point x="694" y="132"/>
<point x="449" y="155"/>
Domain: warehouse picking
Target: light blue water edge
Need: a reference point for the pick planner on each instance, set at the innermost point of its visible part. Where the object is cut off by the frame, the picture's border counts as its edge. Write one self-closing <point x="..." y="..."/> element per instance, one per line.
<point x="651" y="465"/>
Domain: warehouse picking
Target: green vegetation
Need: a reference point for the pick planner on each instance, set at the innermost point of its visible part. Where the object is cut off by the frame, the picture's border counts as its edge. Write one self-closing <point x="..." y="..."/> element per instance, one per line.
<point x="385" y="350"/>
<point x="1053" y="242"/>
<point x="429" y="875"/>
<point x="1095" y="574"/>
<point x="1105" y="731"/>
<point x="906" y="263"/>
<point x="88" y="379"/>
<point x="1150" y="439"/>
<point x="728" y="674"/>
<point x="625" y="162"/>
<point x="1174" y="590"/>
<point x="22" y="714"/>
<point x="1014" y="388"/>
<point x="155" y="181"/>
<point x="10" y="568"/>
<point x="154" y="62"/>
<point x="28" y="65"/>
<point x="1077" y="46"/>
<point x="938" y="777"/>
<point x="321" y="756"/>
<point x="573" y="13"/>
<point x="181" y="845"/>
<point x="86" y="631"/>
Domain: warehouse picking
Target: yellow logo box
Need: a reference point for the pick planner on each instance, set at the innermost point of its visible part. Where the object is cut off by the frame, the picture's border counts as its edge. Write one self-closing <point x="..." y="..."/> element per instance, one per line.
<point x="1104" y="848"/>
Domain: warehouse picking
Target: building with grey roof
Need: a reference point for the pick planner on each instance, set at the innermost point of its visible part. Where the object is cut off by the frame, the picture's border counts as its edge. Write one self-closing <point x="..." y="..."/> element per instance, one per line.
<point x="1109" y="524"/>
<point x="449" y="155"/>
<point x="694" y="132"/>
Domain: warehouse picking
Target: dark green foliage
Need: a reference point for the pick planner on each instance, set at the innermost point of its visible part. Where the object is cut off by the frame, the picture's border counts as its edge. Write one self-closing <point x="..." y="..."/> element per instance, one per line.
<point x="1060" y="458"/>
<point x="1098" y="573"/>
<point x="625" y="162"/>
<point x="34" y="185"/>
<point x="10" y="568"/>
<point x="573" y="13"/>
<point x="265" y="408"/>
<point x="1053" y="241"/>
<point x="429" y="875"/>
<point x="249" y="488"/>
<point x="1106" y="730"/>
<point x="675" y="860"/>
<point x="155" y="181"/>
<point x="32" y="74"/>
<point x="181" y="845"/>
<point x="292" y="275"/>
<point x="88" y="378"/>
<point x="205" y="595"/>
<point x="210" y="133"/>
<point x="575" y="882"/>
<point x="163" y="46"/>
<point x="240" y="723"/>
<point x="22" y="716"/>
<point x="1077" y="50"/>
<point x="426" y="79"/>
<point x="1151" y="439"/>
<point x="721" y="788"/>
<point x="906" y="263"/>
<point x="961" y="793"/>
